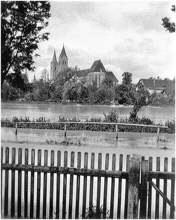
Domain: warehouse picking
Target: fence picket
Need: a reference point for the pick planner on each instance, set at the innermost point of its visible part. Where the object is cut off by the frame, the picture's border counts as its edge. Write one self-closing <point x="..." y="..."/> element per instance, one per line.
<point x="26" y="186"/>
<point x="13" y="184"/>
<point x="19" y="182"/>
<point x="51" y="186"/>
<point x="58" y="185"/>
<point x="165" y="187"/>
<point x="126" y="187"/>
<point x="2" y="151"/>
<point x="150" y="188"/>
<point x="91" y="183"/>
<point x="32" y="185"/>
<point x="6" y="183"/>
<point x="172" y="211"/>
<point x="158" y="185"/>
<point x="119" y="187"/>
<point x="71" y="186"/>
<point x="105" y="186"/>
<point x="64" y="187"/>
<point x="112" y="186"/>
<point x="38" y="186"/>
<point x="45" y="184"/>
<point x="84" y="186"/>
<point x="99" y="185"/>
<point x="131" y="176"/>
<point x="78" y="185"/>
<point x="143" y="188"/>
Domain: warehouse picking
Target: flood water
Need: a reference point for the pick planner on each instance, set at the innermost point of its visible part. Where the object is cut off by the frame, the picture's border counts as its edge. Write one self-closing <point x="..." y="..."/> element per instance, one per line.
<point x="52" y="111"/>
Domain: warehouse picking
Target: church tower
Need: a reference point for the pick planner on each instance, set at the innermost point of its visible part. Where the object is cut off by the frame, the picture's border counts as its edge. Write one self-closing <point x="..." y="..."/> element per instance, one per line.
<point x="53" y="67"/>
<point x="63" y="61"/>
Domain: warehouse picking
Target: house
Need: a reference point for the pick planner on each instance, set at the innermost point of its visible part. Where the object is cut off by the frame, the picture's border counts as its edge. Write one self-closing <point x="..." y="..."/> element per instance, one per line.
<point x="158" y="85"/>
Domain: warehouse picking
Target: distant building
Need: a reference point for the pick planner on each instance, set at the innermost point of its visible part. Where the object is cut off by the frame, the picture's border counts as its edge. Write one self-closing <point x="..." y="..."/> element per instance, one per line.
<point x="158" y="85"/>
<point x="45" y="75"/>
<point x="25" y="77"/>
<point x="34" y="79"/>
<point x="96" y="74"/>
<point x="59" y="66"/>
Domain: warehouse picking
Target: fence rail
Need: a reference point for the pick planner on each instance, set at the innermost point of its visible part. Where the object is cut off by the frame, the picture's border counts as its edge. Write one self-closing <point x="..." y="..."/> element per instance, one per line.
<point x="33" y="194"/>
<point x="96" y="123"/>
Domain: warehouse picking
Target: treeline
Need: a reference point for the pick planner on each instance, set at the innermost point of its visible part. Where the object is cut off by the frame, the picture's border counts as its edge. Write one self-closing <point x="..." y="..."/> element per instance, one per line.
<point x="72" y="89"/>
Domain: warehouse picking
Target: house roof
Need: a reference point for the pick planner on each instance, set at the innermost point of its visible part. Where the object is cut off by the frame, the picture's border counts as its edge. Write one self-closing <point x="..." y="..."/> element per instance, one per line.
<point x="156" y="83"/>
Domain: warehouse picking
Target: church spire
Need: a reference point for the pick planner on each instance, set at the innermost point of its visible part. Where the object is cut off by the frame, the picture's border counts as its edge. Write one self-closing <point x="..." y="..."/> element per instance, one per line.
<point x="63" y="53"/>
<point x="54" y="57"/>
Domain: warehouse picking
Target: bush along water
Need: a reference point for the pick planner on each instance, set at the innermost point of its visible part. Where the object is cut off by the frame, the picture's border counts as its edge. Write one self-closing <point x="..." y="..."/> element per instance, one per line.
<point x="108" y="118"/>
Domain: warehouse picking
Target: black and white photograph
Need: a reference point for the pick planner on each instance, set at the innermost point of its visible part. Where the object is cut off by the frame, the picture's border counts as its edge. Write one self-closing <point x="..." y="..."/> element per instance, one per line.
<point x="88" y="109"/>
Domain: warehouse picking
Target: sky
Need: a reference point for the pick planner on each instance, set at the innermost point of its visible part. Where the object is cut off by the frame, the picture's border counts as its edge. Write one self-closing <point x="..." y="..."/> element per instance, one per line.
<point x="127" y="36"/>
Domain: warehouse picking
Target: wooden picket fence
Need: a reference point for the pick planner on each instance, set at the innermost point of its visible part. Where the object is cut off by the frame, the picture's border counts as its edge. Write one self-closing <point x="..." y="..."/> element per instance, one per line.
<point x="138" y="178"/>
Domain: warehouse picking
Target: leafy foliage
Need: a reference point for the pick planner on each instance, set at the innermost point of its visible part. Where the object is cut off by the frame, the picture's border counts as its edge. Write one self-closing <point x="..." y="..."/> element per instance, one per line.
<point x="142" y="98"/>
<point x="22" y="24"/>
<point x="127" y="78"/>
<point x="91" y="213"/>
<point x="167" y="24"/>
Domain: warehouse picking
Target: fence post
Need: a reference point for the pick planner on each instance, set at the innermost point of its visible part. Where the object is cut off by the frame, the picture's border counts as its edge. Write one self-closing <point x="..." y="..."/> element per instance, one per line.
<point x="16" y="129"/>
<point x="133" y="190"/>
<point x="65" y="132"/>
<point x="158" y="131"/>
<point x="143" y="188"/>
<point x="117" y="132"/>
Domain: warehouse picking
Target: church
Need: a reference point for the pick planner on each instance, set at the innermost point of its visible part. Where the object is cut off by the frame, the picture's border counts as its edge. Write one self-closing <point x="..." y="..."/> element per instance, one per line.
<point x="59" y="66"/>
<point x="95" y="74"/>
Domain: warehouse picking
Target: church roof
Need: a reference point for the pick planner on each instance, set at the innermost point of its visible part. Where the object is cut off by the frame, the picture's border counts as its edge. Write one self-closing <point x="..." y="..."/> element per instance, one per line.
<point x="63" y="53"/>
<point x="97" y="66"/>
<point x="110" y="75"/>
<point x="54" y="57"/>
<point x="81" y="73"/>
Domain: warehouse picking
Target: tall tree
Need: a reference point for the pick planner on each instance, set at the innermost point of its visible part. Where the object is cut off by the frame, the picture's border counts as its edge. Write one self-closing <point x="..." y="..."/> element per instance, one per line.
<point x="22" y="24"/>
<point x="142" y="98"/>
<point x="127" y="78"/>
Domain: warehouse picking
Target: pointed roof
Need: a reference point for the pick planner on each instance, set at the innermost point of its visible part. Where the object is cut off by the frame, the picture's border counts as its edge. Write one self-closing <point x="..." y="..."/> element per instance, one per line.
<point x="97" y="66"/>
<point x="63" y="53"/>
<point x="54" y="57"/>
